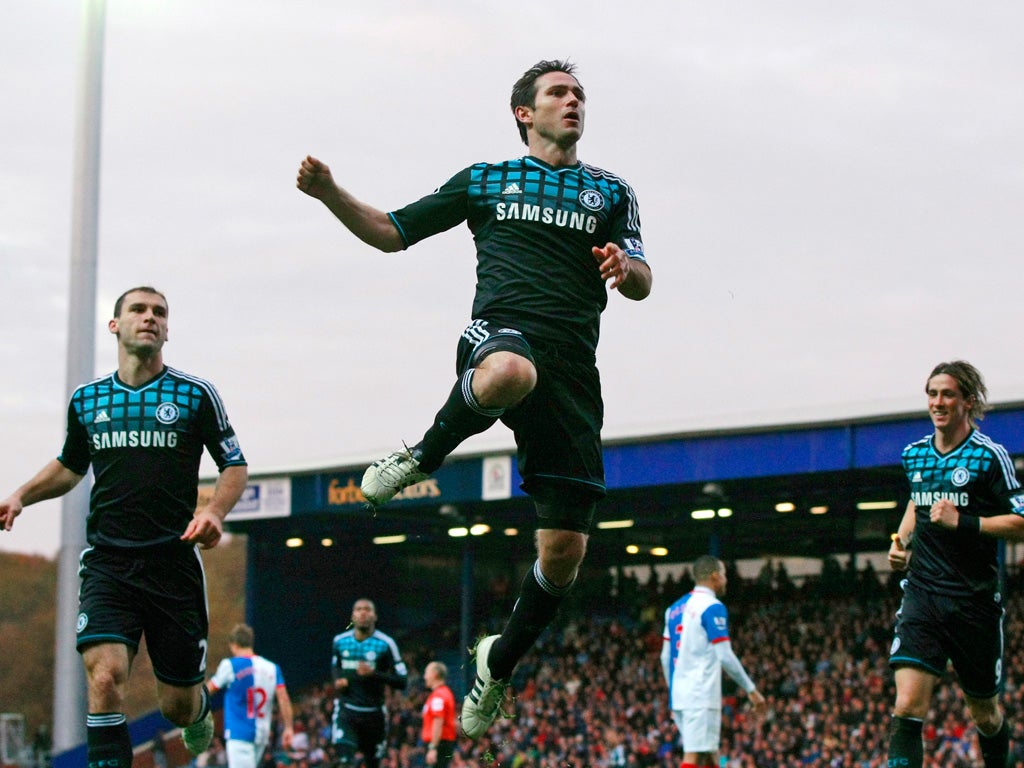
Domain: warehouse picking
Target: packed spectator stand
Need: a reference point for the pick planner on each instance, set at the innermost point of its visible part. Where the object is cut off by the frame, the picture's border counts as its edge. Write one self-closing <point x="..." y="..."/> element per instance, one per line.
<point x="591" y="693"/>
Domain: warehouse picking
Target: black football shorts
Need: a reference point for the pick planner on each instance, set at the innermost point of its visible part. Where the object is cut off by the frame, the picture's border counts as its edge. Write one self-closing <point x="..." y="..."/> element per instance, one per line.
<point x="933" y="630"/>
<point x="162" y="595"/>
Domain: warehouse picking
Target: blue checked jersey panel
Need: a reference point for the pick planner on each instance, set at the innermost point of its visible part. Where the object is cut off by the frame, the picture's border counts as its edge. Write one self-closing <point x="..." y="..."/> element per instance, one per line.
<point x="380" y="651"/>
<point x="978" y="478"/>
<point x="534" y="226"/>
<point x="145" y="445"/>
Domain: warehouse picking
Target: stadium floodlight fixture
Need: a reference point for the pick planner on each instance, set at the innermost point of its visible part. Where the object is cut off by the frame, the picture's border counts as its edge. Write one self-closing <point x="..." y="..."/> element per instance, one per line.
<point x="785" y="506"/>
<point x="397" y="539"/>
<point x="458" y="532"/>
<point x="702" y="514"/>
<point x="609" y="524"/>
<point x="511" y="531"/>
<point x="294" y="542"/>
<point x="479" y="529"/>
<point x="326" y="542"/>
<point x="659" y="551"/>
<point x="820" y="509"/>
<point x="632" y="549"/>
<point x="868" y="505"/>
<point x="725" y="512"/>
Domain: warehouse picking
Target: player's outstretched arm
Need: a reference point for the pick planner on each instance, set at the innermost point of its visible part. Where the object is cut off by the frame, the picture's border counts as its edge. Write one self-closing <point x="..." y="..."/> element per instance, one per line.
<point x="372" y="226"/>
<point x="51" y="481"/>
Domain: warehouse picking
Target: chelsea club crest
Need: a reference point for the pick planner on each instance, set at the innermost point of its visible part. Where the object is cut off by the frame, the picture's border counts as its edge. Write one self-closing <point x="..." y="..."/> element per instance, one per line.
<point x="960" y="477"/>
<point x="591" y="199"/>
<point x="167" y="413"/>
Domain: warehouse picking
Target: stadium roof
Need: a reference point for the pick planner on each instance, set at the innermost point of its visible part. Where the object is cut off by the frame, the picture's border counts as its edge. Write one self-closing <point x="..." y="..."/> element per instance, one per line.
<point x="312" y="550"/>
<point x="842" y="480"/>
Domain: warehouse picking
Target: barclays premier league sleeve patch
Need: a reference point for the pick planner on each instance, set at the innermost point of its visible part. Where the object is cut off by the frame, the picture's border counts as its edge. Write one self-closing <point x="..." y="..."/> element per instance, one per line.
<point x="230" y="448"/>
<point x="634" y="248"/>
<point x="1017" y="503"/>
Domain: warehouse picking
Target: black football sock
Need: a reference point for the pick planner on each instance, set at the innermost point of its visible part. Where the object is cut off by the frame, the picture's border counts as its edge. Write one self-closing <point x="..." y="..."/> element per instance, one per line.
<point x="995" y="748"/>
<point x="204" y="704"/>
<point x="537" y="605"/>
<point x="906" y="749"/>
<point x="108" y="744"/>
<point x="460" y="417"/>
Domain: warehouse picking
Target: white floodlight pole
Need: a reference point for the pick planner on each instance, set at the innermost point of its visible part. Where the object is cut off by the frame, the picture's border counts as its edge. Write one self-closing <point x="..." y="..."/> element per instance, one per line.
<point x="70" y="705"/>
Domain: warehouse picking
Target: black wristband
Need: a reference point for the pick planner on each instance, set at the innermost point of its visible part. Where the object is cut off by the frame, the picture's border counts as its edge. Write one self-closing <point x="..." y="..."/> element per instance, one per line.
<point x="969" y="524"/>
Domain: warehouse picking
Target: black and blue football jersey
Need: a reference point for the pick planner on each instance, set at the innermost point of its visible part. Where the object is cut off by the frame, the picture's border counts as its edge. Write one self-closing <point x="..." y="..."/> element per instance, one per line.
<point x="145" y="445"/>
<point x="978" y="478"/>
<point x="534" y="226"/>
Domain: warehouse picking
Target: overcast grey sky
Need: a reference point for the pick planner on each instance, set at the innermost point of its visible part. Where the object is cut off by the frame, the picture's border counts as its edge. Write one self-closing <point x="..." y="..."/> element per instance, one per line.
<point x="830" y="196"/>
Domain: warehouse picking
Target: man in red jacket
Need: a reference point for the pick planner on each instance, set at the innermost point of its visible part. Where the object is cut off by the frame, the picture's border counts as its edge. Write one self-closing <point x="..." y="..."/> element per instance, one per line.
<point x="438" y="716"/>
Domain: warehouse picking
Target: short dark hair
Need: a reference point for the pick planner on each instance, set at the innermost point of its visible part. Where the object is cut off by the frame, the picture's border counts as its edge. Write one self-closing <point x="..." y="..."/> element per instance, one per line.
<point x="242" y="636"/>
<point x="704" y="567"/>
<point x="524" y="92"/>
<point x="971" y="383"/>
<point x="144" y="289"/>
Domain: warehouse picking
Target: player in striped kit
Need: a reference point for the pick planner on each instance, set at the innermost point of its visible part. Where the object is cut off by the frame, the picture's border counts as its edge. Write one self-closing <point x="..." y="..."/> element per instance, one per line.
<point x="695" y="648"/>
<point x="251" y="684"/>
<point x="964" y="497"/>
<point x="553" y="236"/>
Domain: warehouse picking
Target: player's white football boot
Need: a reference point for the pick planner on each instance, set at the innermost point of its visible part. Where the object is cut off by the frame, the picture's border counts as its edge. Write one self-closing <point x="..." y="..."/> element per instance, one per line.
<point x="483" y="704"/>
<point x="197" y="737"/>
<point x="384" y="478"/>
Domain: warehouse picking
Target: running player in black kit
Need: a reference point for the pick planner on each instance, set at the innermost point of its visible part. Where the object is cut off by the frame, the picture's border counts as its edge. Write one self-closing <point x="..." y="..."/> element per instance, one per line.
<point x="553" y="235"/>
<point x="964" y="496"/>
<point x="143" y="429"/>
<point x="364" y="661"/>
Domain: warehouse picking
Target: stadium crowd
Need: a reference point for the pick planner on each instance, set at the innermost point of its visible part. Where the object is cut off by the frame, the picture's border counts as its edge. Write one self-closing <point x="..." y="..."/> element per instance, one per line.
<point x="591" y="693"/>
